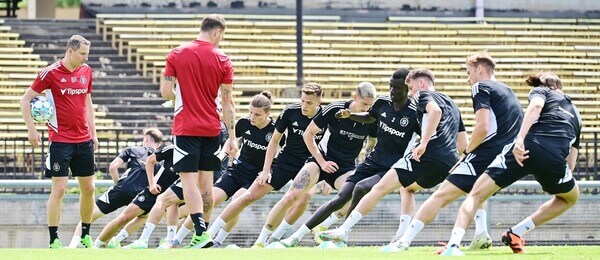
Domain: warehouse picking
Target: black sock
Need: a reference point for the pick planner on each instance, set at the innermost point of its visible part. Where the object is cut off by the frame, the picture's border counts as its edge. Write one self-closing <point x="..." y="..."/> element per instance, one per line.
<point x="199" y="225"/>
<point x="207" y="224"/>
<point x="53" y="233"/>
<point x="85" y="229"/>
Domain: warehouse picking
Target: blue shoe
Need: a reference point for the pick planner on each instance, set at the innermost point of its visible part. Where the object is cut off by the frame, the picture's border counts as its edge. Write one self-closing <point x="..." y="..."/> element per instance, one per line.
<point x="452" y="251"/>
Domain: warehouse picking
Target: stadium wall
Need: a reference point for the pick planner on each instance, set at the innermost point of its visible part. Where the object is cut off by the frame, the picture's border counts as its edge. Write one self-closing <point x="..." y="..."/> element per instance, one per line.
<point x="508" y="5"/>
<point x="24" y="221"/>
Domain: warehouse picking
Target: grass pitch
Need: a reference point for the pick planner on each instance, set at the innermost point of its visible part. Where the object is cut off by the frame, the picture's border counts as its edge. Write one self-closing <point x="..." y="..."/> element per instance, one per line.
<point x="303" y="253"/>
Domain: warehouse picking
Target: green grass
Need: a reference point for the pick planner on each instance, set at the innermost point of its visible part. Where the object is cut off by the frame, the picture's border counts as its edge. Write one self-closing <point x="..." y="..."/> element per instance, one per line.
<point x="534" y="252"/>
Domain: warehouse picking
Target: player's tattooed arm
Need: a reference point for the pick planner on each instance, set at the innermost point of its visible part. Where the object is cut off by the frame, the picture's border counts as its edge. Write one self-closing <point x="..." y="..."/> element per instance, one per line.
<point x="229" y="116"/>
<point x="167" y="87"/>
<point x="302" y="180"/>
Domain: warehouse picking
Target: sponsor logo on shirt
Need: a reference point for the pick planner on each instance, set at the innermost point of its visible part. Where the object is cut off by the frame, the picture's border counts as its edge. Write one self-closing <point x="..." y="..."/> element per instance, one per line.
<point x="351" y="135"/>
<point x="390" y="130"/>
<point x="254" y="145"/>
<point x="74" y="91"/>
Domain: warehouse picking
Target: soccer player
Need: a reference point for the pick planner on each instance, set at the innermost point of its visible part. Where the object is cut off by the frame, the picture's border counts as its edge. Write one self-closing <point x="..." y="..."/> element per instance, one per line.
<point x="397" y="125"/>
<point x="334" y="157"/>
<point x="72" y="133"/>
<point x="200" y="69"/>
<point x="144" y="201"/>
<point x="442" y="136"/>
<point x="276" y="172"/>
<point x="128" y="185"/>
<point x="498" y="114"/>
<point x="546" y="147"/>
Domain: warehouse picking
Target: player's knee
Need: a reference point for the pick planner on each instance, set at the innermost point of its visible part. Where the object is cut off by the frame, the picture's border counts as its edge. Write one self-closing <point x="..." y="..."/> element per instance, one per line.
<point x="306" y="197"/>
<point x="87" y="189"/>
<point x="362" y="189"/>
<point x="122" y="220"/>
<point x="247" y="199"/>
<point x="289" y="198"/>
<point x="58" y="190"/>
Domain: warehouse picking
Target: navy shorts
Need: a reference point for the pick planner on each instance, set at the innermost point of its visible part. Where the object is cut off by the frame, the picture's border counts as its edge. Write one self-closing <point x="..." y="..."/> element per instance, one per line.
<point x="330" y="178"/>
<point x="112" y="200"/>
<point x="550" y="170"/>
<point x="282" y="172"/>
<point x="79" y="157"/>
<point x="365" y="170"/>
<point x="425" y="173"/>
<point x="470" y="168"/>
<point x="145" y="200"/>
<point x="234" y="180"/>
<point x="194" y="154"/>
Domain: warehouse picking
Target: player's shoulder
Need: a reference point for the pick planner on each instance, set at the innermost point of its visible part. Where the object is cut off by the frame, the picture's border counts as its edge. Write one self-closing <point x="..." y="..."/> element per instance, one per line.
<point x="50" y="69"/>
<point x="383" y="99"/>
<point x="334" y="106"/>
<point x="293" y="107"/>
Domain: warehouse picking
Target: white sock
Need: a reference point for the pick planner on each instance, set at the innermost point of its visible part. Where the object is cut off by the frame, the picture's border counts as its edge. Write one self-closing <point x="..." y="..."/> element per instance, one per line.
<point x="281" y="230"/>
<point x="74" y="241"/>
<point x="456" y="237"/>
<point x="121" y="236"/>
<point x="216" y="225"/>
<point x="98" y="243"/>
<point x="182" y="233"/>
<point x="412" y="231"/>
<point x="480" y="221"/>
<point x="301" y="232"/>
<point x="148" y="229"/>
<point x="404" y="222"/>
<point x="523" y="227"/>
<point x="262" y="238"/>
<point x="354" y="217"/>
<point x="221" y="236"/>
<point x="330" y="220"/>
<point x="171" y="231"/>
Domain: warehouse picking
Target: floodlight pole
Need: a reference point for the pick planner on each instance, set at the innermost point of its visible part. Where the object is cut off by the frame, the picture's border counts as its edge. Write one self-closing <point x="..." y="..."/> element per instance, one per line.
<point x="299" y="51"/>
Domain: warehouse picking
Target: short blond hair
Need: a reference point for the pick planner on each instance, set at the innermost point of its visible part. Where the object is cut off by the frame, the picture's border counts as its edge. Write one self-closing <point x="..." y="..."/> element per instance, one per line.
<point x="482" y="58"/>
<point x="420" y="73"/>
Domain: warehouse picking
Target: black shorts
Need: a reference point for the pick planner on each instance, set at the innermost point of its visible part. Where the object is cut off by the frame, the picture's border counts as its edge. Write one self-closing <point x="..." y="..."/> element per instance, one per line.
<point x="221" y="171"/>
<point x="194" y="154"/>
<point x="79" y="157"/>
<point x="425" y="173"/>
<point x="470" y="168"/>
<point x="365" y="170"/>
<point x="177" y="188"/>
<point x="112" y="200"/>
<point x="550" y="170"/>
<point x="145" y="200"/>
<point x="282" y="173"/>
<point x="330" y="178"/>
<point x="234" y="180"/>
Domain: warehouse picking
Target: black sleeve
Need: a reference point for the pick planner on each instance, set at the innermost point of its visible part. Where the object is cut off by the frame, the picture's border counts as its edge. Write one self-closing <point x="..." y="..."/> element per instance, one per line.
<point x="538" y="92"/>
<point x="481" y="96"/>
<point x="125" y="155"/>
<point x="422" y="98"/>
<point x="374" y="110"/>
<point x="461" y="125"/>
<point x="577" y="128"/>
<point x="282" y="121"/>
<point x="373" y="129"/>
<point x="240" y="127"/>
<point x="326" y="115"/>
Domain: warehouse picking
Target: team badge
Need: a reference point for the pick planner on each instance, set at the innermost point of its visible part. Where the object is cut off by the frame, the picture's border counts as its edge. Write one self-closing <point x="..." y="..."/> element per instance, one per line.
<point x="141" y="198"/>
<point x="83" y="80"/>
<point x="268" y="137"/>
<point x="56" y="167"/>
<point x="404" y="121"/>
<point x="73" y="79"/>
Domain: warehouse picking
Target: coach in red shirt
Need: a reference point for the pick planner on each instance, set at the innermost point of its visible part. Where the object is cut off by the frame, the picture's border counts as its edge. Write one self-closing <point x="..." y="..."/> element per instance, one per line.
<point x="72" y="132"/>
<point x="194" y="74"/>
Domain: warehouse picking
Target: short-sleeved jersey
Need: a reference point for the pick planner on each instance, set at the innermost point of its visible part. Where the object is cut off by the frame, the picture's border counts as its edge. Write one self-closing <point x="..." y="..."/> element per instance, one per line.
<point x="395" y="131"/>
<point x="442" y="146"/>
<point x="134" y="179"/>
<point x="559" y="119"/>
<point x="200" y="69"/>
<point x="254" y="144"/>
<point x="68" y="92"/>
<point x="506" y="114"/>
<point x="165" y="175"/>
<point x="343" y="138"/>
<point x="293" y="123"/>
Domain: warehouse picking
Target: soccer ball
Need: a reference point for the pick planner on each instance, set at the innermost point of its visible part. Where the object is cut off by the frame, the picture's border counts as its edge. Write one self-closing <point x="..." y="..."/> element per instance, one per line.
<point x="41" y="109"/>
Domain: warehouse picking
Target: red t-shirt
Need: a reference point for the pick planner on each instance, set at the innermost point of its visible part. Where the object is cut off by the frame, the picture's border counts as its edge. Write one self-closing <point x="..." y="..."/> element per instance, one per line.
<point x="68" y="92"/>
<point x="200" y="69"/>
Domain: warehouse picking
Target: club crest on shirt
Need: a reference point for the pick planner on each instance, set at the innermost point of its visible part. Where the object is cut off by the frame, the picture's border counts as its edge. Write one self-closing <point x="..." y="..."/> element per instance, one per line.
<point x="268" y="137"/>
<point x="404" y="121"/>
<point x="83" y="80"/>
<point x="73" y="79"/>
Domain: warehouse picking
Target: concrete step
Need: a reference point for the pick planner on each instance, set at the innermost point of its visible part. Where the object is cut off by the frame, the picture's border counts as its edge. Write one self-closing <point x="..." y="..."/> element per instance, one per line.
<point x="96" y="50"/>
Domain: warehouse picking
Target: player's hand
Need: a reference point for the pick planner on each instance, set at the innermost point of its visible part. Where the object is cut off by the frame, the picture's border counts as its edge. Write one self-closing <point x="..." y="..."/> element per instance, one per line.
<point x="95" y="143"/>
<point x="519" y="152"/>
<point x="418" y="151"/>
<point x="263" y="178"/>
<point x="155" y="189"/>
<point x="329" y="167"/>
<point x="325" y="188"/>
<point x="35" y="139"/>
<point x="344" y="113"/>
<point x="231" y="147"/>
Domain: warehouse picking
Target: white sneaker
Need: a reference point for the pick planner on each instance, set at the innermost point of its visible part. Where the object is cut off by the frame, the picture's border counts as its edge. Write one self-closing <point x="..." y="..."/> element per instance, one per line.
<point x="452" y="251"/>
<point x="290" y="242"/>
<point x="481" y="241"/>
<point x="138" y="244"/>
<point x="334" y="235"/>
